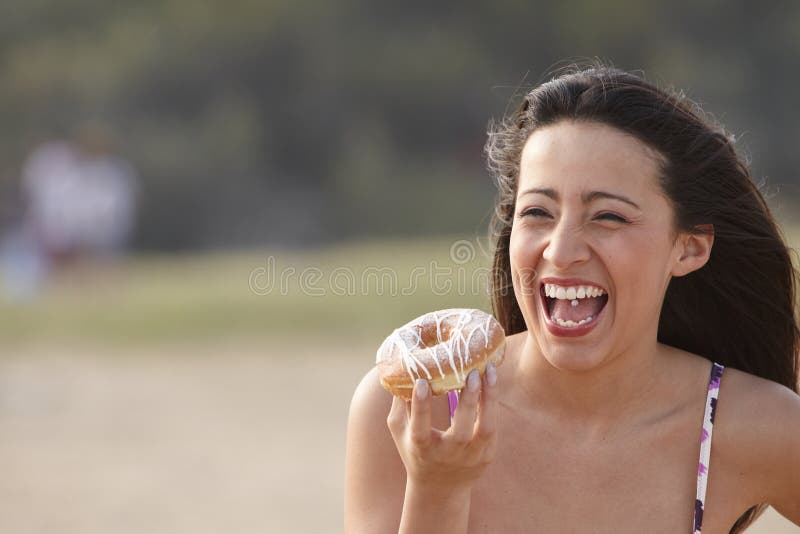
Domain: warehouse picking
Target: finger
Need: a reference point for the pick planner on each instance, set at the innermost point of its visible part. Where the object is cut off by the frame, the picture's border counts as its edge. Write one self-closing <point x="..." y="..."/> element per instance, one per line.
<point x="464" y="419"/>
<point x="421" y="414"/>
<point x="486" y="424"/>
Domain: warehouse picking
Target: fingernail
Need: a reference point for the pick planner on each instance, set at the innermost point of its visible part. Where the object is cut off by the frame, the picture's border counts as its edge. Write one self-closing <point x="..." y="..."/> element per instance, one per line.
<point x="491" y="374"/>
<point x="421" y="389"/>
<point x="473" y="380"/>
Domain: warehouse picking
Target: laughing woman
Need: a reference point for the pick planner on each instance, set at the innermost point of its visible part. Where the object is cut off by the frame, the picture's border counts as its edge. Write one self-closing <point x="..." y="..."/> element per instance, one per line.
<point x="652" y="300"/>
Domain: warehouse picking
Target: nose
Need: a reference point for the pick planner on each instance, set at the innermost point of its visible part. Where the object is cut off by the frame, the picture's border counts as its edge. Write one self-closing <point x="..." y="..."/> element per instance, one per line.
<point x="566" y="246"/>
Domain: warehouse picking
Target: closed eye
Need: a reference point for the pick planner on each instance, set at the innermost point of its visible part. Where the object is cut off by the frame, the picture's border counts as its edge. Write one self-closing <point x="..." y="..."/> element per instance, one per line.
<point x="534" y="212"/>
<point x="607" y="216"/>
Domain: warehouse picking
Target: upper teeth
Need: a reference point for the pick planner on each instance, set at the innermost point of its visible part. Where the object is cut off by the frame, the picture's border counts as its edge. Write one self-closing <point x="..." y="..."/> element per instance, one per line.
<point x="572" y="292"/>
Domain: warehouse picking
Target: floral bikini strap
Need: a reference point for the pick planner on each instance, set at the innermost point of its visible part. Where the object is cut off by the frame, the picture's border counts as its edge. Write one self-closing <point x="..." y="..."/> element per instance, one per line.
<point x="705" y="444"/>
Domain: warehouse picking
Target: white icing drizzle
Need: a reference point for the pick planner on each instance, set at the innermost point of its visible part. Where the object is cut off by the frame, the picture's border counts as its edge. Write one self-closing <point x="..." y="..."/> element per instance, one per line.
<point x="448" y="347"/>
<point x="486" y="331"/>
<point x="407" y="341"/>
<point x="465" y="344"/>
<point x="412" y="364"/>
<point x="431" y="349"/>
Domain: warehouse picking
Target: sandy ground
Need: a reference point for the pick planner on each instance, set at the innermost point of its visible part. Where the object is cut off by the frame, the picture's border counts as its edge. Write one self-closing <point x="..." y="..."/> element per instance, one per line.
<point x="213" y="439"/>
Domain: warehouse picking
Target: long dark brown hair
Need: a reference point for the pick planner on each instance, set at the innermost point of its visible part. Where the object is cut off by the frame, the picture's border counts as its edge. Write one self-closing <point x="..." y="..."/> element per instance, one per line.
<point x="740" y="309"/>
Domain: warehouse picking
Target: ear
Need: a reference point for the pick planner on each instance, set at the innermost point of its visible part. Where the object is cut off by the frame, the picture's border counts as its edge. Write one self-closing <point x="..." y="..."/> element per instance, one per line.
<point x="694" y="249"/>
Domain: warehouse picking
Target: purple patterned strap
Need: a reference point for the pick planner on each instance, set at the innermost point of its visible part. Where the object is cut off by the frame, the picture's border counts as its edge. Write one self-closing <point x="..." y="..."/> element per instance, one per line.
<point x="452" y="399"/>
<point x="705" y="444"/>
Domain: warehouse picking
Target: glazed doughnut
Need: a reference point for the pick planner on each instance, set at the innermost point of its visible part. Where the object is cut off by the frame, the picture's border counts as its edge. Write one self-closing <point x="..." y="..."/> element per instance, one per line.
<point x="441" y="347"/>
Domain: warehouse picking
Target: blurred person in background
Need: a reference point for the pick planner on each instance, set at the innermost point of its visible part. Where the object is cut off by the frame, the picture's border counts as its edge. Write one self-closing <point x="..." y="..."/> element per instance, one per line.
<point x="79" y="205"/>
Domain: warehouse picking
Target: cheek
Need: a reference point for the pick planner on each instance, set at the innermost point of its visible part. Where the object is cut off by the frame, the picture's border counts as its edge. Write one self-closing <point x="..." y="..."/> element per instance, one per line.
<point x="524" y="254"/>
<point x="637" y="267"/>
<point x="524" y="249"/>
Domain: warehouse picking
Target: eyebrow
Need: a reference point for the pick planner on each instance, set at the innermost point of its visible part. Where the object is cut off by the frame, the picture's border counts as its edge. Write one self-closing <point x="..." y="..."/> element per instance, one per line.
<point x="586" y="197"/>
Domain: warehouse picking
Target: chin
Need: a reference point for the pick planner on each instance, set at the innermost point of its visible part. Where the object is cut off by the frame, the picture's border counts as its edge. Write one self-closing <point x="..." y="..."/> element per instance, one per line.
<point x="570" y="355"/>
<point x="575" y="360"/>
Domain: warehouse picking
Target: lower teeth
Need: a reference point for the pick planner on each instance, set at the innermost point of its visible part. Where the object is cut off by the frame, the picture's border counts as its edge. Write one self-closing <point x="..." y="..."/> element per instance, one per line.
<point x="562" y="322"/>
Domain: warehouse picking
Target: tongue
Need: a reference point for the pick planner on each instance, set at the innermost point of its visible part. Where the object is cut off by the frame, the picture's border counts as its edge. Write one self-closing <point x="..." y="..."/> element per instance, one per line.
<point x="564" y="310"/>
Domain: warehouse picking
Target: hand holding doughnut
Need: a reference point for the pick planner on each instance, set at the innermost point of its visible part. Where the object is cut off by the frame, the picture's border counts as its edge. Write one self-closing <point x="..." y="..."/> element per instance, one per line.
<point x="441" y="467"/>
<point x="433" y="354"/>
<point x="444" y="461"/>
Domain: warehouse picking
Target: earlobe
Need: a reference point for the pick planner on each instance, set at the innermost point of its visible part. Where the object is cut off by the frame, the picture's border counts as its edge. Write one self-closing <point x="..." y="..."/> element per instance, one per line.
<point x="695" y="250"/>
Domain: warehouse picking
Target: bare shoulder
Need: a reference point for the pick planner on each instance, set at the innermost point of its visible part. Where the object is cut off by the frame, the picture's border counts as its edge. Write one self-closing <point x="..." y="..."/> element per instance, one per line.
<point x="759" y="421"/>
<point x="374" y="473"/>
<point x="370" y="403"/>
<point x="757" y="410"/>
<point x="757" y="403"/>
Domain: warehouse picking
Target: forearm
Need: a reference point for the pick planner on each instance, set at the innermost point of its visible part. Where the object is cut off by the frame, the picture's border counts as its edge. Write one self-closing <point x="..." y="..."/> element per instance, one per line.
<point x="431" y="511"/>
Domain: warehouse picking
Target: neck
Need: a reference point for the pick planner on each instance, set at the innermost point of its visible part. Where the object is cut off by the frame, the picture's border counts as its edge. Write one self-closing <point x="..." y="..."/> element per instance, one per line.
<point x="612" y="393"/>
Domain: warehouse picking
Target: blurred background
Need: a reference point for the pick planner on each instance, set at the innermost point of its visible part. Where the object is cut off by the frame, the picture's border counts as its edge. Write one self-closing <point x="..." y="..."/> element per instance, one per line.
<point x="212" y="213"/>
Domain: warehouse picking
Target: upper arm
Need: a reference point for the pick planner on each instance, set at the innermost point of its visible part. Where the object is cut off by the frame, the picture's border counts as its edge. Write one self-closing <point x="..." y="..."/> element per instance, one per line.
<point x="777" y="457"/>
<point x="374" y="474"/>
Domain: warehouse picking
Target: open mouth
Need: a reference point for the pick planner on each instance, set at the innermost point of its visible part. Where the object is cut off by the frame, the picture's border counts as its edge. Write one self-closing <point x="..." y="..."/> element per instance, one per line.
<point x="573" y="306"/>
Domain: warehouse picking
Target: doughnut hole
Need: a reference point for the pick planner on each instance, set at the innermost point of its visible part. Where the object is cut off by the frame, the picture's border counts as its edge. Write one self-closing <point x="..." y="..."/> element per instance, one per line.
<point x="428" y="334"/>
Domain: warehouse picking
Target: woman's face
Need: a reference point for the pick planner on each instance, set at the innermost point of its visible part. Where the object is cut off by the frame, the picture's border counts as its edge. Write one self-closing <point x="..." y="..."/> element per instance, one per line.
<point x="592" y="243"/>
